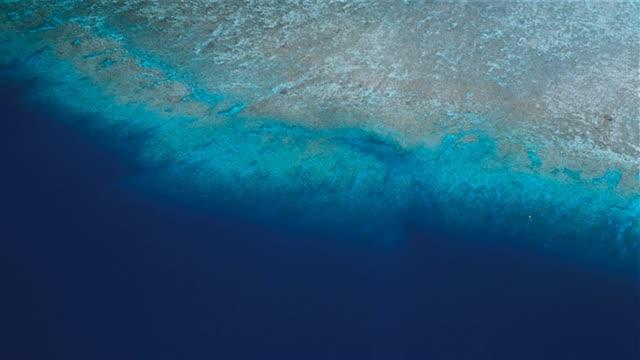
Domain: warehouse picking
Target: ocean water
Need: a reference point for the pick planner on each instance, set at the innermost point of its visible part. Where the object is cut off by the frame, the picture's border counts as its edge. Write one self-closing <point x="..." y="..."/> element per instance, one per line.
<point x="155" y="205"/>
<point x="94" y="268"/>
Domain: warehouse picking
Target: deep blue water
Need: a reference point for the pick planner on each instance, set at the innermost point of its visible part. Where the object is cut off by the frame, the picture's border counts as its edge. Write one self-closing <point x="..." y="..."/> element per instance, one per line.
<point x="91" y="268"/>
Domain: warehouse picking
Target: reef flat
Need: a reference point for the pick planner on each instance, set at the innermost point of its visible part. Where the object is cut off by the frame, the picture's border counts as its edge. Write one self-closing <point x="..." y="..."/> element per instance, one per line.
<point x="516" y="120"/>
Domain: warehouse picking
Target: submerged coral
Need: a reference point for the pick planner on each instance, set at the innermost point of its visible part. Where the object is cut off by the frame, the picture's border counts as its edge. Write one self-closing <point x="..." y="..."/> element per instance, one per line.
<point x="517" y="121"/>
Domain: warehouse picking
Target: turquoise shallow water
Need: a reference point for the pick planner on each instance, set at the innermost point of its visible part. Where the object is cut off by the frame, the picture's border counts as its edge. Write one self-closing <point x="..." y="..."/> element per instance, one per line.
<point x="339" y="180"/>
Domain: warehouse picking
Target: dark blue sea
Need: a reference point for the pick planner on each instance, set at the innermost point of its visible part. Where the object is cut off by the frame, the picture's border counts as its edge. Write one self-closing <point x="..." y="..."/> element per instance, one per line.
<point x="91" y="268"/>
